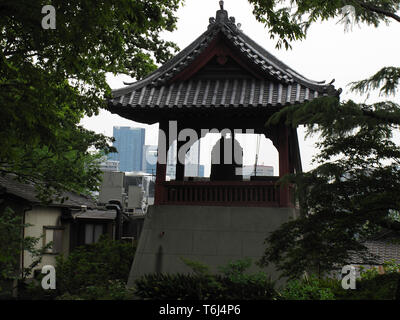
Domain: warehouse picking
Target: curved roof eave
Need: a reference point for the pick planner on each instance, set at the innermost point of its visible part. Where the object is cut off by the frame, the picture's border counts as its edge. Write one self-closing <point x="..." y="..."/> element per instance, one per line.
<point x="259" y="56"/>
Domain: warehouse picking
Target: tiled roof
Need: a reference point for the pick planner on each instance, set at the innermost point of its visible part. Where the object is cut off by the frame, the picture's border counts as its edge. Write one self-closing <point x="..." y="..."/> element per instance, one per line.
<point x="28" y="192"/>
<point x="384" y="250"/>
<point x="280" y="85"/>
<point x="213" y="93"/>
<point x="383" y="247"/>
<point x="380" y="251"/>
<point x="97" y="214"/>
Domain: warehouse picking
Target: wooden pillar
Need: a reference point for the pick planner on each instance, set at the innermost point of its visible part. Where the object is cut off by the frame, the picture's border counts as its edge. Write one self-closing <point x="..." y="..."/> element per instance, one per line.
<point x="284" y="166"/>
<point x="291" y="152"/>
<point x="162" y="154"/>
<point x="180" y="167"/>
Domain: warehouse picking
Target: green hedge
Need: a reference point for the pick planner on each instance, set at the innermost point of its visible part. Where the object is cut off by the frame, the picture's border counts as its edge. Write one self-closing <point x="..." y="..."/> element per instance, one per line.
<point x="381" y="287"/>
<point x="370" y="286"/>
<point x="91" y="272"/>
<point x="93" y="265"/>
<point x="311" y="288"/>
<point x="232" y="284"/>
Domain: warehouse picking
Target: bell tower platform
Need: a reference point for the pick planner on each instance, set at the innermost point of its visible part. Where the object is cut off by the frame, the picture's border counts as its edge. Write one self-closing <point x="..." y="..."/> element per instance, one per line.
<point x="211" y="235"/>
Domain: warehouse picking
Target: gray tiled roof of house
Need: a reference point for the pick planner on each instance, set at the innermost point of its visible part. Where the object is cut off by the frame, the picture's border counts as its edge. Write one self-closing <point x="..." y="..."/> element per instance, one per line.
<point x="383" y="247"/>
<point x="380" y="251"/>
<point x="97" y="214"/>
<point x="384" y="250"/>
<point x="280" y="85"/>
<point x="10" y="185"/>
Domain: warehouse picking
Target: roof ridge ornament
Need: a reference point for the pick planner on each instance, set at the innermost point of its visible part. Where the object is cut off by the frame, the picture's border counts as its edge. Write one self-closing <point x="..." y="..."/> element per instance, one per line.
<point x="222" y="17"/>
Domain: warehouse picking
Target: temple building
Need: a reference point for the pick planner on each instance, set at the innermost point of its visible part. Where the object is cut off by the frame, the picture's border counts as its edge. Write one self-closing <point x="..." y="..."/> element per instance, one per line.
<point x="222" y="81"/>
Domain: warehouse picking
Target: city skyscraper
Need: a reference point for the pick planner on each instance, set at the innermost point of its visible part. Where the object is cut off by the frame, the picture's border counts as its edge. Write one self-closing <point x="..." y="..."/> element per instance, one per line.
<point x="129" y="143"/>
<point x="149" y="164"/>
<point x="192" y="166"/>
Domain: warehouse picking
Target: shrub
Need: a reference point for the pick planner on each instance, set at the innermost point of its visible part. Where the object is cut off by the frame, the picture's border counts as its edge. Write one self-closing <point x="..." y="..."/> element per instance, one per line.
<point x="94" y="265"/>
<point x="93" y="272"/>
<point x="375" y="286"/>
<point x="311" y="288"/>
<point x="114" y="290"/>
<point x="231" y="284"/>
<point x="380" y="287"/>
<point x="370" y="286"/>
<point x="239" y="285"/>
<point x="160" y="286"/>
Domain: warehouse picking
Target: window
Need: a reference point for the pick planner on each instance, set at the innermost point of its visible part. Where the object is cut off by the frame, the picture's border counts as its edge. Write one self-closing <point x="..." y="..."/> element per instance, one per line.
<point x="93" y="232"/>
<point x="53" y="234"/>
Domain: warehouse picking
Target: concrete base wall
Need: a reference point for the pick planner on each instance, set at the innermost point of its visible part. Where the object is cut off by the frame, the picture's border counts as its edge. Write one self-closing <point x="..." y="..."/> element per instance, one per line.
<point x="211" y="235"/>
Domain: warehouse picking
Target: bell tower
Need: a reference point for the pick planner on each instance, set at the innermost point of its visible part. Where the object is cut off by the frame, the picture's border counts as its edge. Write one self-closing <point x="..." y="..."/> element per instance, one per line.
<point x="222" y="81"/>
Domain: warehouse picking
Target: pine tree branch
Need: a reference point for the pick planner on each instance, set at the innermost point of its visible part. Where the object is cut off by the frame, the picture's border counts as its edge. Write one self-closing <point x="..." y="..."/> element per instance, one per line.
<point x="391" y="120"/>
<point x="378" y="10"/>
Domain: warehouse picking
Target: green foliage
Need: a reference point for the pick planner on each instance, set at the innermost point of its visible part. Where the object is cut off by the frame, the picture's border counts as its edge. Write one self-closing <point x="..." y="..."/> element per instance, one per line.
<point x="11" y="246"/>
<point x="176" y="287"/>
<point x="50" y="79"/>
<point x="231" y="284"/>
<point x="94" y="265"/>
<point x="386" y="80"/>
<point x="97" y="271"/>
<point x="239" y="284"/>
<point x="350" y="196"/>
<point x="388" y="267"/>
<point x="310" y="288"/>
<point x="114" y="290"/>
<point x="373" y="286"/>
<point x="291" y="21"/>
<point x="197" y="267"/>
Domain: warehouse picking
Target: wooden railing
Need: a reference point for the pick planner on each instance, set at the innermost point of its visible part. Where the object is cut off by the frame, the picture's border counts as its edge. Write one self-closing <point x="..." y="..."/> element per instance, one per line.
<point x="220" y="193"/>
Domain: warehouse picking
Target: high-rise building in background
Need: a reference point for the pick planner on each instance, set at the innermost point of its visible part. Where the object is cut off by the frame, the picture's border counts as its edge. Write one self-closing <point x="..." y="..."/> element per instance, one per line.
<point x="134" y="155"/>
<point x="262" y="171"/>
<point x="109" y="165"/>
<point x="129" y="143"/>
<point x="192" y="161"/>
<point x="149" y="162"/>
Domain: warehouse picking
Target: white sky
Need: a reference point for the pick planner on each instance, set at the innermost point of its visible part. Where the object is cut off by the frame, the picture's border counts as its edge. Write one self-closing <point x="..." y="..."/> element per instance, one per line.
<point x="327" y="53"/>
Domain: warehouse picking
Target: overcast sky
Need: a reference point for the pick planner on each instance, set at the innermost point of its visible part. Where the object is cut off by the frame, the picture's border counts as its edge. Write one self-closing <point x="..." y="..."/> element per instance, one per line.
<point x="327" y="53"/>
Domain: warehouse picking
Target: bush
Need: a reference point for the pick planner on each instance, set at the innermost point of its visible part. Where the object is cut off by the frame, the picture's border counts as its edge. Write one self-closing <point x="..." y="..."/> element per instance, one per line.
<point x="231" y="284"/>
<point x="380" y="287"/>
<point x="160" y="286"/>
<point x="114" y="290"/>
<point x="375" y="286"/>
<point x="370" y="286"/>
<point x="311" y="288"/>
<point x="93" y="272"/>
<point x="94" y="265"/>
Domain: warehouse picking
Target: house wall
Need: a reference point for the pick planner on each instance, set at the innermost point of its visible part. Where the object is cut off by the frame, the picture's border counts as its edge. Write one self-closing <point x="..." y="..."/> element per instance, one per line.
<point x="211" y="235"/>
<point x="38" y="218"/>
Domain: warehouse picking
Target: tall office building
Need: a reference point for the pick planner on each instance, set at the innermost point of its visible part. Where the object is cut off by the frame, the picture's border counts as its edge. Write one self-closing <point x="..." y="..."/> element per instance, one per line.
<point x="109" y="165"/>
<point x="192" y="167"/>
<point x="149" y="163"/>
<point x="262" y="171"/>
<point x="192" y="161"/>
<point x="129" y="143"/>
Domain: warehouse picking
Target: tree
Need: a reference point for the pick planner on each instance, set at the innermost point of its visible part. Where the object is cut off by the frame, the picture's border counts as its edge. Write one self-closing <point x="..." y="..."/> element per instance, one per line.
<point x="51" y="78"/>
<point x="11" y="247"/>
<point x="353" y="192"/>
<point x="290" y="20"/>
